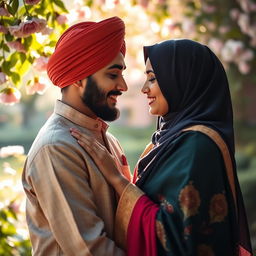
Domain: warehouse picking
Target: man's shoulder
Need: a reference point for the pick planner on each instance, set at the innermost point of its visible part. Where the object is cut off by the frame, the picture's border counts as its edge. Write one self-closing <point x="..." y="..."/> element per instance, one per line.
<point x="55" y="132"/>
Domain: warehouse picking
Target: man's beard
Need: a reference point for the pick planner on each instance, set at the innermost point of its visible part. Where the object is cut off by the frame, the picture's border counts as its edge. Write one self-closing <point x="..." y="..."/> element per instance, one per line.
<point x="96" y="100"/>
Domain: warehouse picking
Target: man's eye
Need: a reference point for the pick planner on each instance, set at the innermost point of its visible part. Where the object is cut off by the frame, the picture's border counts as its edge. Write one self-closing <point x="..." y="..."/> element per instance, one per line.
<point x="113" y="76"/>
<point x="152" y="79"/>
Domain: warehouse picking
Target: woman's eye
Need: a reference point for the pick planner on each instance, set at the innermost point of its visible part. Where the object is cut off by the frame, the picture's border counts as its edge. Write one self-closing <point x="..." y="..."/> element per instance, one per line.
<point x="152" y="79"/>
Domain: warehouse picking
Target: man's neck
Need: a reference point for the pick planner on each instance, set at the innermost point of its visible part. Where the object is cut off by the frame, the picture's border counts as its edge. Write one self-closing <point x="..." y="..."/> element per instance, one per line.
<point x="79" y="106"/>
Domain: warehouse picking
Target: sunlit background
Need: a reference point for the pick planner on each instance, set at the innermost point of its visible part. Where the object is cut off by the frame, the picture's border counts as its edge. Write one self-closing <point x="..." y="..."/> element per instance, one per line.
<point x="28" y="33"/>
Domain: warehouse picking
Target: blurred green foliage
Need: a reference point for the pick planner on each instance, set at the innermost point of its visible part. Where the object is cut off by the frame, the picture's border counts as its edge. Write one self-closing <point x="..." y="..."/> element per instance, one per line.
<point x="11" y="243"/>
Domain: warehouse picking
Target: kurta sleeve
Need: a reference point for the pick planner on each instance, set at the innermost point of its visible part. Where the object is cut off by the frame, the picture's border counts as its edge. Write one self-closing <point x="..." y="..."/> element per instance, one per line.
<point x="194" y="201"/>
<point x="60" y="181"/>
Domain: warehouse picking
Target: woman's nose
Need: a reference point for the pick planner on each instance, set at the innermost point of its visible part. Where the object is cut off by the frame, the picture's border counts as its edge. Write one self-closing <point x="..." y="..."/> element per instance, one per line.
<point x="145" y="88"/>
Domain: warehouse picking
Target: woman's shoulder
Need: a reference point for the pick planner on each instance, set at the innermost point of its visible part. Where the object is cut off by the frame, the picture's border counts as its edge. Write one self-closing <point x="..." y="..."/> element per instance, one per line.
<point x="196" y="142"/>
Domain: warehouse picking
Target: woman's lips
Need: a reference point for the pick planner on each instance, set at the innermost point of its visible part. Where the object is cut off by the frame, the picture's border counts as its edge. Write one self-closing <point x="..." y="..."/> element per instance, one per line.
<point x="151" y="100"/>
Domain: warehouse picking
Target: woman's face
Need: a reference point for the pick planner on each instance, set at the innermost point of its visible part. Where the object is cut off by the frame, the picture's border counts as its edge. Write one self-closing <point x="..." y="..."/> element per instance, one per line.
<point x="156" y="100"/>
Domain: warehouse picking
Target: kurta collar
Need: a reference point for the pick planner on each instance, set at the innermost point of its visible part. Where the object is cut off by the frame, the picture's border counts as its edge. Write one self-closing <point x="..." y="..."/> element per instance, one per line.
<point x="79" y="118"/>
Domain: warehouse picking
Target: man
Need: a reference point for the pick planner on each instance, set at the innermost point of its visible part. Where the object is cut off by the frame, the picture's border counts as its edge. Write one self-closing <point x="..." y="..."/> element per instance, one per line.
<point x="70" y="206"/>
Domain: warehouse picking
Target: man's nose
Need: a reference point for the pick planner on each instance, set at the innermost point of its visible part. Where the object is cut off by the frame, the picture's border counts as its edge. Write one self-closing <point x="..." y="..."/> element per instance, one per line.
<point x="122" y="86"/>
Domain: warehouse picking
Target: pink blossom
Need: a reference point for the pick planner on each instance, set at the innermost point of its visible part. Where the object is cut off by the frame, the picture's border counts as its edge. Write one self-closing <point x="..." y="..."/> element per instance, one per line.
<point x="161" y="1"/>
<point x="253" y="7"/>
<point x="224" y="29"/>
<point x="15" y="207"/>
<point x="2" y="78"/>
<point x="10" y="96"/>
<point x="32" y="2"/>
<point x="210" y="25"/>
<point x="47" y="31"/>
<point x="25" y="29"/>
<point x="40" y="63"/>
<point x="37" y="87"/>
<point x="188" y="26"/>
<point x="216" y="45"/>
<point x="62" y="19"/>
<point x="244" y="68"/>
<point x="209" y="8"/>
<point x="99" y="2"/>
<point x="253" y="42"/>
<point x="245" y="5"/>
<point x="83" y="12"/>
<point x="4" y="12"/>
<point x="17" y="45"/>
<point x="246" y="55"/>
<point x="252" y="31"/>
<point x="15" y="30"/>
<point x="144" y="3"/>
<point x="234" y="14"/>
<point x="3" y="29"/>
<point x="231" y="50"/>
<point x="244" y="22"/>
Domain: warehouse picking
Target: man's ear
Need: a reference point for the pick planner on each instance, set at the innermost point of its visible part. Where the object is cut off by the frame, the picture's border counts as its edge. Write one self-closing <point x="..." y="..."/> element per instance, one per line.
<point x="78" y="83"/>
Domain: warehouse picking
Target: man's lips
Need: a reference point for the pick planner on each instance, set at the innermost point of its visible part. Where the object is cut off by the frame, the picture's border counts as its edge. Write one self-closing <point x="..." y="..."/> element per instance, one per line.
<point x="113" y="97"/>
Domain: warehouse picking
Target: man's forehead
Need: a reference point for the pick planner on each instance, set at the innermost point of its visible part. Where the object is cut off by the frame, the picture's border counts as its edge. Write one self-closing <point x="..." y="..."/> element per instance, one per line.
<point x="118" y="62"/>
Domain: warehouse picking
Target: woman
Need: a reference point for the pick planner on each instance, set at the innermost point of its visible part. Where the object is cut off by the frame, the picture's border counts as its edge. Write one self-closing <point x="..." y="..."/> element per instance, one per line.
<point x="192" y="203"/>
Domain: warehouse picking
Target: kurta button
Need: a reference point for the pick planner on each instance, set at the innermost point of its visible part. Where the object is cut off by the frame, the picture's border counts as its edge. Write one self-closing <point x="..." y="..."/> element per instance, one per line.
<point x="96" y="125"/>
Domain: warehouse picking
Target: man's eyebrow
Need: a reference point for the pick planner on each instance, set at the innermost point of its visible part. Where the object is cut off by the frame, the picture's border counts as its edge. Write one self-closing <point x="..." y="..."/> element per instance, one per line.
<point x="121" y="67"/>
<point x="149" y="71"/>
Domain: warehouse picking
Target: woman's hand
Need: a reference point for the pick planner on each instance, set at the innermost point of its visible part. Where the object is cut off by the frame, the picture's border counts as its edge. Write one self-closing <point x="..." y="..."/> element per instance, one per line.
<point x="103" y="159"/>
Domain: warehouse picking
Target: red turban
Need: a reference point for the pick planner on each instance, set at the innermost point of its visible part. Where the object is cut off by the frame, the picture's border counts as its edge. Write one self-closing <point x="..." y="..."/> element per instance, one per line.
<point x="85" y="48"/>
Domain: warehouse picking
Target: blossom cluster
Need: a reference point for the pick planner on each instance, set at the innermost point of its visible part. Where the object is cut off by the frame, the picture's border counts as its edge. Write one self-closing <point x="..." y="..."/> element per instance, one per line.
<point x="24" y="49"/>
<point x="26" y="28"/>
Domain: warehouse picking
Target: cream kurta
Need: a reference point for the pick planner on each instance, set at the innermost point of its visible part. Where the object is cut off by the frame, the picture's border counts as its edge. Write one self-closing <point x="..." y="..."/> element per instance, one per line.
<point x="70" y="206"/>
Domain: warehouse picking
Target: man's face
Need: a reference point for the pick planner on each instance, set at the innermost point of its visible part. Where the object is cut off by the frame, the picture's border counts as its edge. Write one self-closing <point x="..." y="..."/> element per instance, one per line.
<point x="103" y="88"/>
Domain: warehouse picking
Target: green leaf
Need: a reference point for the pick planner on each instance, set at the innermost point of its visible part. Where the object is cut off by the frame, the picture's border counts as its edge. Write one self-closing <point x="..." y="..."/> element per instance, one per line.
<point x="13" y="59"/>
<point x="23" y="68"/>
<point x="89" y="3"/>
<point x="22" y="11"/>
<point x="52" y="43"/>
<point x="8" y="37"/>
<point x="48" y="15"/>
<point x="6" y="48"/>
<point x="3" y="216"/>
<point x="60" y="4"/>
<point x="30" y="59"/>
<point x="15" y="77"/>
<point x="22" y="57"/>
<point x="40" y="10"/>
<point x="8" y="229"/>
<point x="27" y="42"/>
<point x="15" y="5"/>
<point x="6" y="68"/>
<point x="10" y="10"/>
